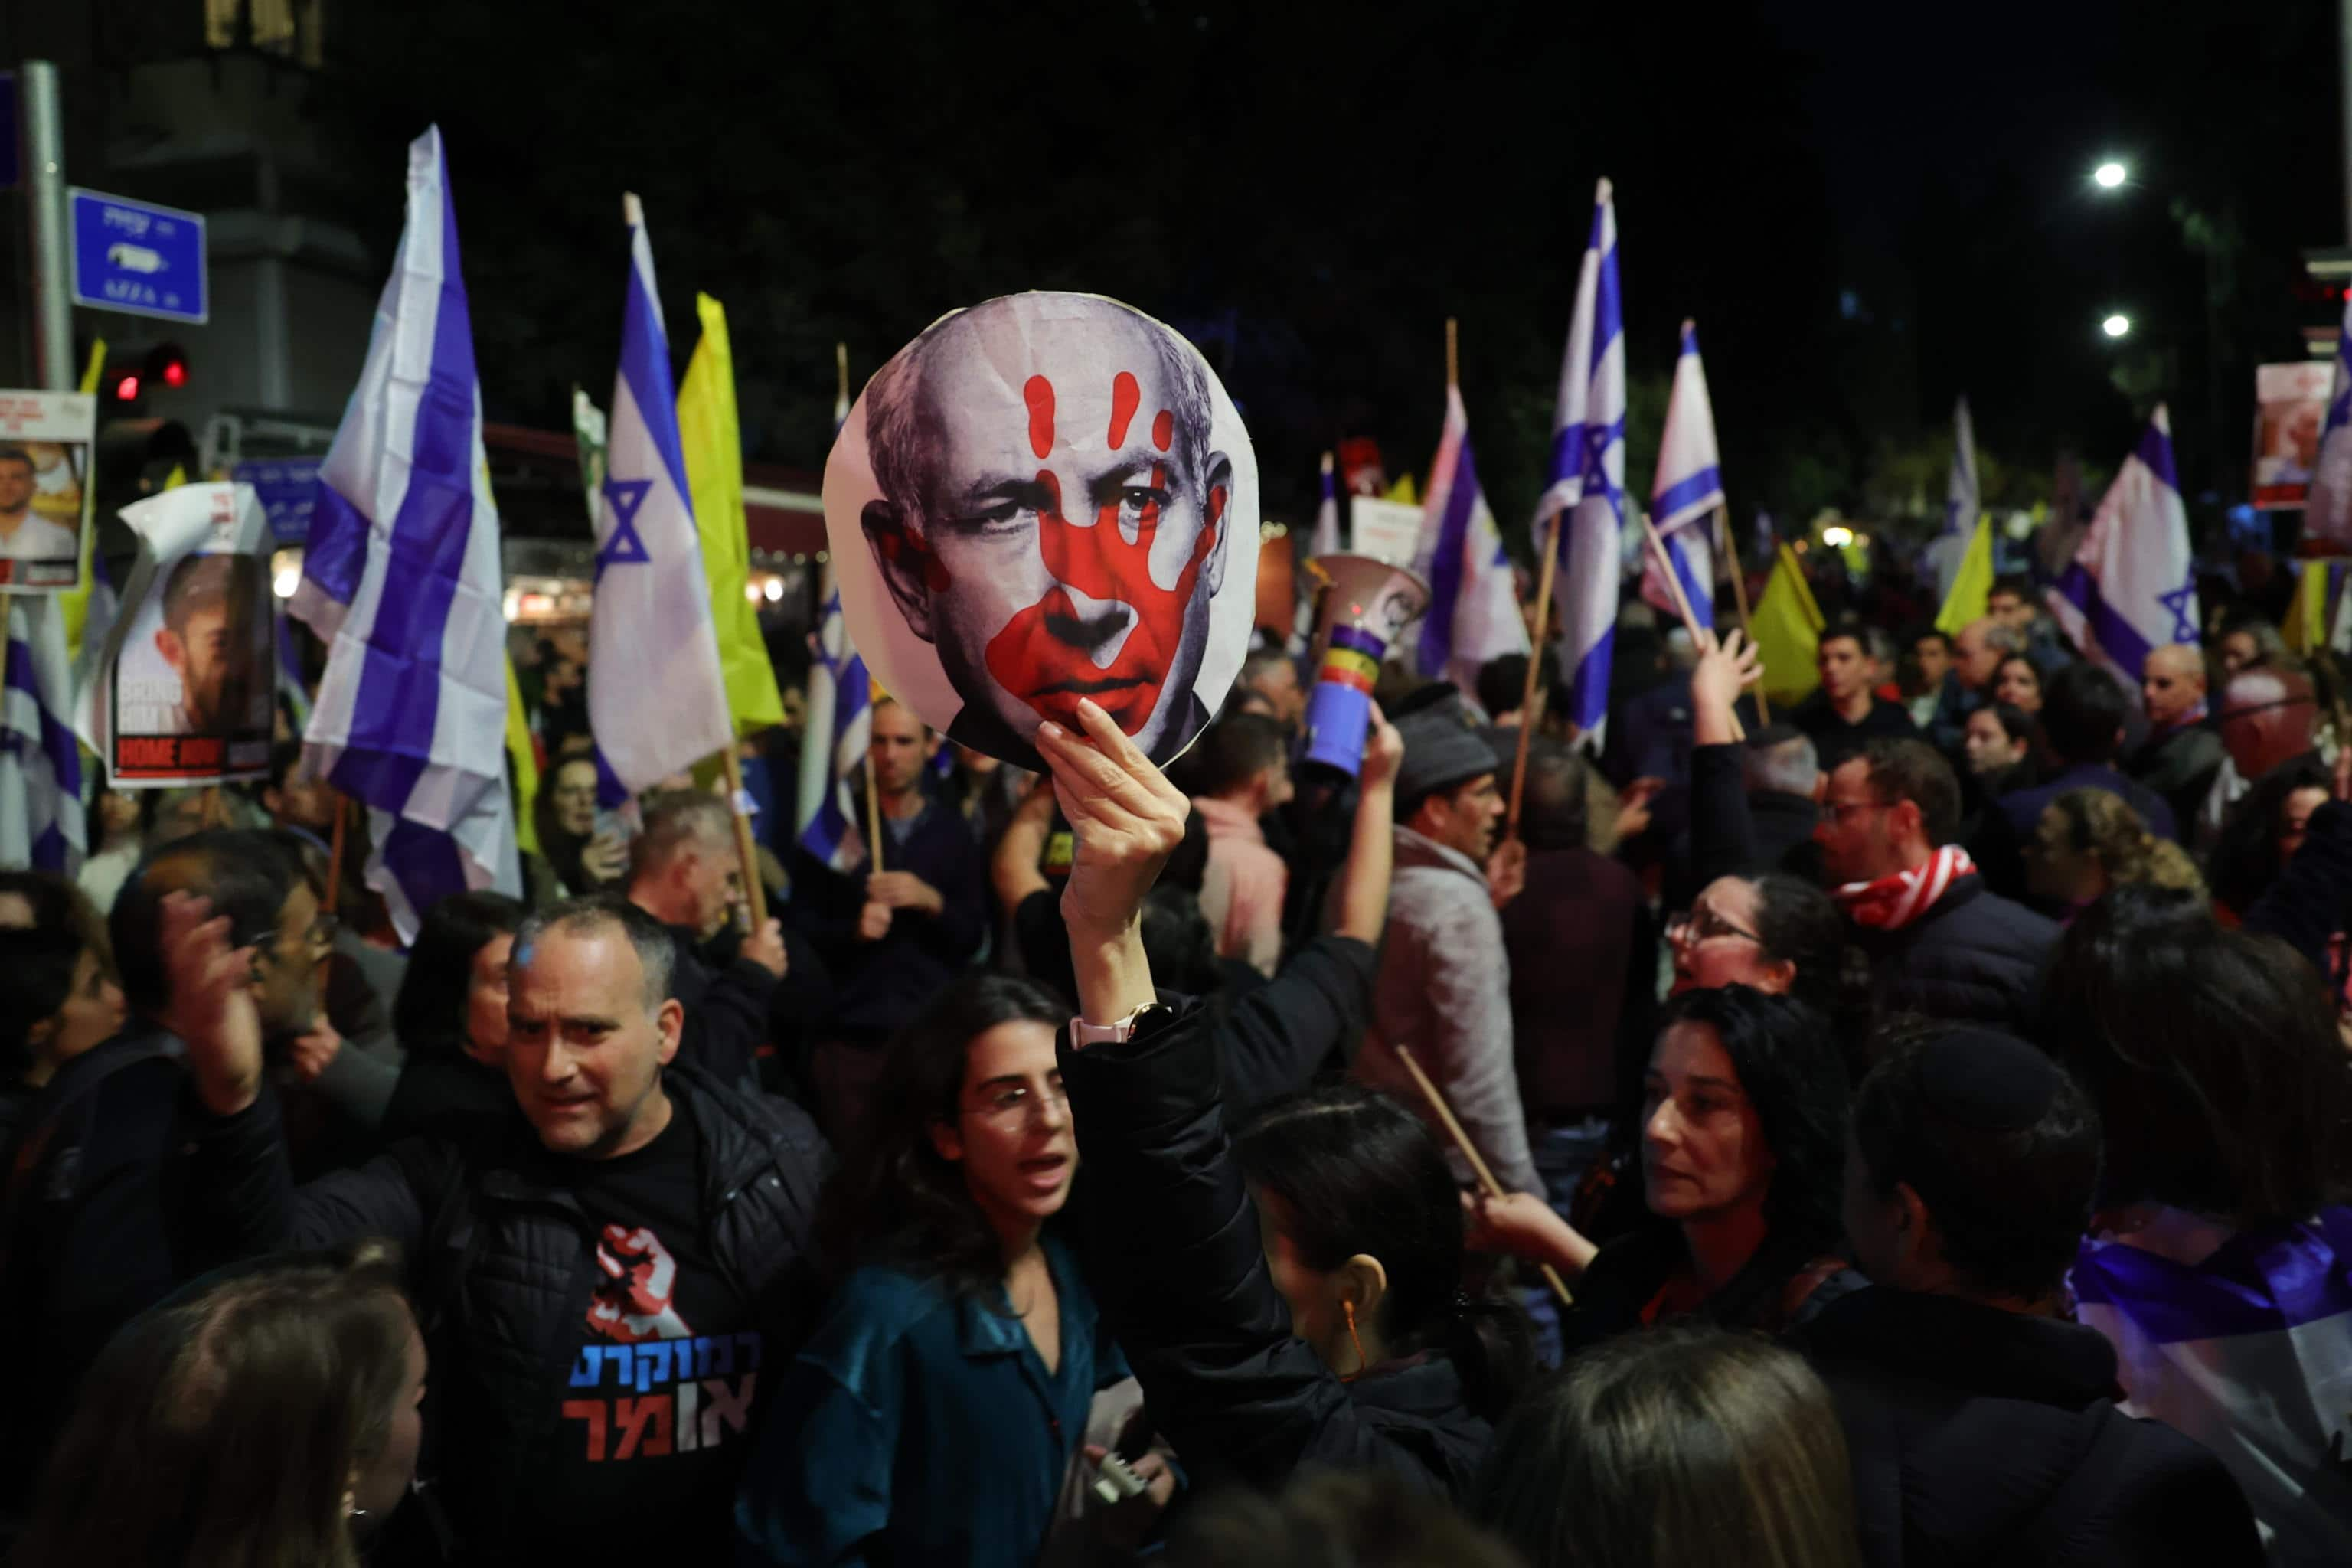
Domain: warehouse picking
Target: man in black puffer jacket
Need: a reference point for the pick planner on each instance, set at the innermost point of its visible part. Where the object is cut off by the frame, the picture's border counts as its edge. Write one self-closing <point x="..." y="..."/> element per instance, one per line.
<point x="1983" y="1426"/>
<point x="1938" y="942"/>
<point x="598" y="1300"/>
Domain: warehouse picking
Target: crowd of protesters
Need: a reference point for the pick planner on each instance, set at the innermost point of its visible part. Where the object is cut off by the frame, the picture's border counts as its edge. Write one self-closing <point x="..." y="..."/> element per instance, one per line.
<point x="1914" y="1132"/>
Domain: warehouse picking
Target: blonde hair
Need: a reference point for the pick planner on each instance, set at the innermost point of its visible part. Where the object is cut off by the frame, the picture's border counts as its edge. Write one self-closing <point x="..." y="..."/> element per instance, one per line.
<point x="2103" y="825"/>
<point x="1671" y="1448"/>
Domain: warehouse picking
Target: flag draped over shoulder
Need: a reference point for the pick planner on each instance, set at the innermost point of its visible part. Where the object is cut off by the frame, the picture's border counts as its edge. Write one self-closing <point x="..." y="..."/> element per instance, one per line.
<point x="1688" y="492"/>
<point x="1787" y="630"/>
<point x="2132" y="587"/>
<point x="41" y="819"/>
<point x="839" y="682"/>
<point x="657" y="701"/>
<point x="1474" y="606"/>
<point x="402" y="581"/>
<point x="713" y="446"/>
<point x="1584" y="505"/>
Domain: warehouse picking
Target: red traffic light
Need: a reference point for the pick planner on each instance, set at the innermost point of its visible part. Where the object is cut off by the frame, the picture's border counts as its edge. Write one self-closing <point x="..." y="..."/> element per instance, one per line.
<point x="126" y="390"/>
<point x="175" y="372"/>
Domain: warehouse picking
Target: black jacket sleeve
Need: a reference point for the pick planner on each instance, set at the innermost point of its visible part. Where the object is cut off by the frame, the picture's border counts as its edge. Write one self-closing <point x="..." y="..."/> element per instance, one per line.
<point x="243" y="1201"/>
<point x="1278" y="1034"/>
<point x="1722" y="833"/>
<point x="2304" y="905"/>
<point x="1172" y="1248"/>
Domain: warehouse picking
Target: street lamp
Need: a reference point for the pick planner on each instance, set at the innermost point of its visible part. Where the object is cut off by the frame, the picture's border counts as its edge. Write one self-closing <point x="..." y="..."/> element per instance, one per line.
<point x="2109" y="175"/>
<point x="2116" y="326"/>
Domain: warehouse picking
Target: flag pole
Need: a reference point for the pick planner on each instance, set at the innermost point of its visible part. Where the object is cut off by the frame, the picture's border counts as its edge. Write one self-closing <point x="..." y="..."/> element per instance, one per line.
<point x="1681" y="600"/>
<point x="1728" y="544"/>
<point x="754" y="893"/>
<point x="1452" y="356"/>
<point x="1470" y="1152"/>
<point x="840" y="374"/>
<point x="873" y="817"/>
<point x="1530" y="712"/>
<point x="335" y="853"/>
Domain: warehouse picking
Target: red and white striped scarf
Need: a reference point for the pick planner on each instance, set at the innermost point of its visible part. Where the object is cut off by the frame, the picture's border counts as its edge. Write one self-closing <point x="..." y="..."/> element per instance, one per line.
<point x="1894" y="902"/>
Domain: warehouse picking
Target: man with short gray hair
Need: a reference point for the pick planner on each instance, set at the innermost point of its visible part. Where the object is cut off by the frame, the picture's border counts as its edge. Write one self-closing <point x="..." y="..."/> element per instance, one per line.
<point x="599" y="1282"/>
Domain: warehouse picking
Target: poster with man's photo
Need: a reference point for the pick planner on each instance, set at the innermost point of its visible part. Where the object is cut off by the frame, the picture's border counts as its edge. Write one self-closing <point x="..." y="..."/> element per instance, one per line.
<point x="45" y="489"/>
<point x="2291" y="412"/>
<point x="184" y="688"/>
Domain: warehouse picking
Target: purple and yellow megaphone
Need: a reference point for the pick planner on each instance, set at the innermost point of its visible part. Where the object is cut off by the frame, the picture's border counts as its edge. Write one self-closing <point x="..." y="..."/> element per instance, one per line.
<point x="1367" y="603"/>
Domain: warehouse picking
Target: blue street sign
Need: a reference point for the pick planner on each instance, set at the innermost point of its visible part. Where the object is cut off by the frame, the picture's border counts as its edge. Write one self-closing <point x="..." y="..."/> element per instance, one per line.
<point x="287" y="489"/>
<point x="137" y="258"/>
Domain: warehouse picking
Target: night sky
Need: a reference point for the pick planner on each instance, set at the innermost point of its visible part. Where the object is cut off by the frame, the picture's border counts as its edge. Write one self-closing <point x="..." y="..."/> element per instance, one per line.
<point x="1867" y="214"/>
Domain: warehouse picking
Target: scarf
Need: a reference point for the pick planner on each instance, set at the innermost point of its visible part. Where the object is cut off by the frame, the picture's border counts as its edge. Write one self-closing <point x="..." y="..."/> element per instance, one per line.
<point x="1894" y="902"/>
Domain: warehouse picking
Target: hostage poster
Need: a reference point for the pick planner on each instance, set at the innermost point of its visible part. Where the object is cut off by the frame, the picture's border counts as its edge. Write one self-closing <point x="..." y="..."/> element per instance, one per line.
<point x="45" y="489"/>
<point x="184" y="688"/>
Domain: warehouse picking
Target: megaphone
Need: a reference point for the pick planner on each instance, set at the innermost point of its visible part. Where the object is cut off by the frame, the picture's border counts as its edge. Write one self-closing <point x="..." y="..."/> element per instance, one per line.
<point x="1367" y="603"/>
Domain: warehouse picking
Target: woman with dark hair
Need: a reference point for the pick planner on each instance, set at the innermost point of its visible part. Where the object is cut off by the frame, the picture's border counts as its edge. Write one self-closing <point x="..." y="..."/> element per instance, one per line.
<point x="2264" y="829"/>
<point x="450" y="1017"/>
<point x="56" y="1001"/>
<point x="1688" y="1448"/>
<point x="2220" y="1262"/>
<point x="262" y="1419"/>
<point x="2017" y="683"/>
<point x="584" y="861"/>
<point x="1743" y="1127"/>
<point x="1289" y="1298"/>
<point x="931" y="1416"/>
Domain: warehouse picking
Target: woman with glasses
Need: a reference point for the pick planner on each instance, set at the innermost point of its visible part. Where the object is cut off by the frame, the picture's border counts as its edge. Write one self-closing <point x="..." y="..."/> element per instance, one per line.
<point x="934" y="1413"/>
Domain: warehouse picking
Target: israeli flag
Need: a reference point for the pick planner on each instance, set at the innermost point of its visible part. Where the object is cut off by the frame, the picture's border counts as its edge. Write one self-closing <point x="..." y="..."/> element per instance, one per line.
<point x="2245" y="1346"/>
<point x="655" y="698"/>
<point x="1585" y="502"/>
<point x="1962" y="502"/>
<point x="2132" y="587"/>
<point x="41" y="820"/>
<point x="839" y="683"/>
<point x="1473" y="605"/>
<point x="1688" y="492"/>
<point x="2327" y="510"/>
<point x="402" y="581"/>
<point x="1326" y="517"/>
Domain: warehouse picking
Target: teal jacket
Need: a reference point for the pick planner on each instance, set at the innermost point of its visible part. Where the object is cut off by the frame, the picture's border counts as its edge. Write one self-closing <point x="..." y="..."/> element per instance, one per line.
<point x="918" y="1427"/>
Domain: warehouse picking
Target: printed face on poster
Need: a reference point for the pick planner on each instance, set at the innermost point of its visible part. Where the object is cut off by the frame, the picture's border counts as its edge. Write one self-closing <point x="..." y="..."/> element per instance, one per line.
<point x="1038" y="501"/>
<point x="190" y="698"/>
<point x="2291" y="402"/>
<point x="44" y="449"/>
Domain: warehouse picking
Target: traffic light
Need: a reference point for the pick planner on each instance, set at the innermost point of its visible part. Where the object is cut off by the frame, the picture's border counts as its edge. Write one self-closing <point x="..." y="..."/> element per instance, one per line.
<point x="138" y="369"/>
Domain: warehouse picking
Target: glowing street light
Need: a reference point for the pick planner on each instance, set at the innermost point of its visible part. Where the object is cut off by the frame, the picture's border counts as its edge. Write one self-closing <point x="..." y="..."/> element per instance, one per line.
<point x="1837" y="536"/>
<point x="2116" y="326"/>
<point x="2110" y="174"/>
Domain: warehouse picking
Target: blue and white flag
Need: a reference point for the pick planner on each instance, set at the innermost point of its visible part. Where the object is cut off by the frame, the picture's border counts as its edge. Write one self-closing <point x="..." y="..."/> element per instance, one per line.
<point x="2242" y="1341"/>
<point x="1473" y="605"/>
<point x="402" y="581"/>
<point x="839" y="682"/>
<point x="1326" y="517"/>
<point x="657" y="701"/>
<point x="1962" y="502"/>
<point x="2327" y="508"/>
<point x="1688" y="492"/>
<point x="2132" y="587"/>
<point x="1585" y="502"/>
<point x="41" y="821"/>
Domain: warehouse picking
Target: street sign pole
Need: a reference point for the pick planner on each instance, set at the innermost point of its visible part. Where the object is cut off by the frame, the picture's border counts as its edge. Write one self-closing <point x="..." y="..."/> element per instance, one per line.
<point x="45" y="202"/>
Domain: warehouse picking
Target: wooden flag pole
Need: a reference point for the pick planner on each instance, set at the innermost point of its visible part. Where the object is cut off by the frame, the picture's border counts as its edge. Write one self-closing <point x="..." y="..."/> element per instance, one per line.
<point x="1452" y="354"/>
<point x="1739" y="596"/>
<point x="1477" y="1162"/>
<point x="873" y="817"/>
<point x="841" y="373"/>
<point x="755" y="894"/>
<point x="1682" y="600"/>
<point x="1530" y="712"/>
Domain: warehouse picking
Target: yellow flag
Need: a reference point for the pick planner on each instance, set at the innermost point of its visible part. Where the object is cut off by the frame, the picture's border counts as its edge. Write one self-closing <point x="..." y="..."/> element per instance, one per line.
<point x="524" y="760"/>
<point x="2306" y="618"/>
<point x="1971" y="592"/>
<point x="713" y="443"/>
<point x="1787" y="628"/>
<point x="1402" y="490"/>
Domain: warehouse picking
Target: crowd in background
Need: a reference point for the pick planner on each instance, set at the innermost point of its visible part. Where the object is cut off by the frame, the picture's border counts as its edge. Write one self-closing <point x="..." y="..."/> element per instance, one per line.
<point x="1916" y="1128"/>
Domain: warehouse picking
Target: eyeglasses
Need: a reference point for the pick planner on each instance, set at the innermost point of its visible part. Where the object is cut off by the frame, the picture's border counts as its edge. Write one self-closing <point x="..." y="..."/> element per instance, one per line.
<point x="1017" y="1101"/>
<point x="1702" y="925"/>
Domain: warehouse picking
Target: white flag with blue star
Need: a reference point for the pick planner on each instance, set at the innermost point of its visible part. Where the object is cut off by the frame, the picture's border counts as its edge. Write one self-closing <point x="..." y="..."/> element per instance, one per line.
<point x="1585" y="501"/>
<point x="1688" y="492"/>
<point x="655" y="698"/>
<point x="2132" y="587"/>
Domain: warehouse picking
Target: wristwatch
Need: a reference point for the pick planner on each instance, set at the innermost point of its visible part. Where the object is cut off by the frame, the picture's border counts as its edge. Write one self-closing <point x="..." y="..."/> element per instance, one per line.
<point x="1083" y="1033"/>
